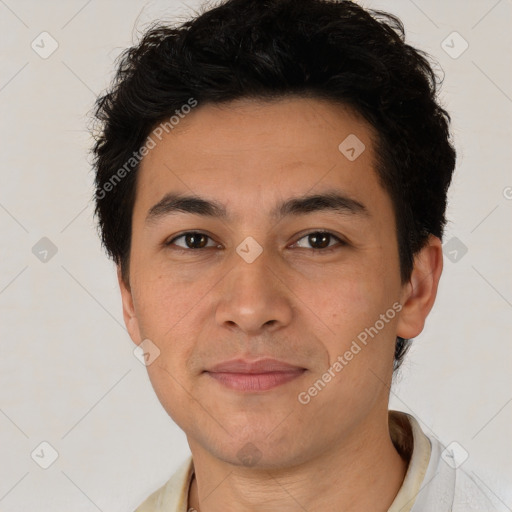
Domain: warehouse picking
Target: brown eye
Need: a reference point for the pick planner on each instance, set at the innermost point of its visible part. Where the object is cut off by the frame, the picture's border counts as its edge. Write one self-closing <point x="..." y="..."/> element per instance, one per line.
<point x="191" y="240"/>
<point x="319" y="240"/>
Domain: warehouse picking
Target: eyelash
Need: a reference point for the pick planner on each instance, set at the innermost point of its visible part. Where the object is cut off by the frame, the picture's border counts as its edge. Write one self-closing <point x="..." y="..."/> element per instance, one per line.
<point x="329" y="248"/>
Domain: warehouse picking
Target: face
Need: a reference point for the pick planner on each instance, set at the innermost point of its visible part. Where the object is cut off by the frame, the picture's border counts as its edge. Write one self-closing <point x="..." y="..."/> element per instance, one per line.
<point x="287" y="251"/>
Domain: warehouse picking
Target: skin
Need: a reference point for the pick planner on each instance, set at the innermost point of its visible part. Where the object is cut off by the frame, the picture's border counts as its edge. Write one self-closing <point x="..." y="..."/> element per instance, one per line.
<point x="297" y="302"/>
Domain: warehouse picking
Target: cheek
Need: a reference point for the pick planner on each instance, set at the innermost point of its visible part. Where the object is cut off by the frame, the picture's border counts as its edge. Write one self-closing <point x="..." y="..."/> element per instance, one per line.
<point x="341" y="300"/>
<point x="163" y="303"/>
<point x="167" y="313"/>
<point x="171" y="314"/>
<point x="348" y="306"/>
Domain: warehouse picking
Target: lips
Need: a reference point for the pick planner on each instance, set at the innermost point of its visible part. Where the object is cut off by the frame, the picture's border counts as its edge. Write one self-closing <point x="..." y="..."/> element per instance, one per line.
<point x="259" y="375"/>
<point x="259" y="366"/>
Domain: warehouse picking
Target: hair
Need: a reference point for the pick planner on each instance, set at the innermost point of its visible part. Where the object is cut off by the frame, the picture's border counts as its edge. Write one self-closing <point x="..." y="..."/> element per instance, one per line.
<point x="274" y="49"/>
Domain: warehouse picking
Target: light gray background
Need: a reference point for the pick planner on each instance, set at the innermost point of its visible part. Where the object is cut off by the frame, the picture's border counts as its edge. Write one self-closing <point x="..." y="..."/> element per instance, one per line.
<point x="67" y="369"/>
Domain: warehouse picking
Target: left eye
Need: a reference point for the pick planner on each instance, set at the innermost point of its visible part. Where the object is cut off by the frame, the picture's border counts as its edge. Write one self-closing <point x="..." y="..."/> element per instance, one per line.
<point x="319" y="240"/>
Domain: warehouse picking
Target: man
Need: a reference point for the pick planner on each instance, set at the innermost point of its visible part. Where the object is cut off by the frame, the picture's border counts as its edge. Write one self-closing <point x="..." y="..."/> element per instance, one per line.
<point x="271" y="183"/>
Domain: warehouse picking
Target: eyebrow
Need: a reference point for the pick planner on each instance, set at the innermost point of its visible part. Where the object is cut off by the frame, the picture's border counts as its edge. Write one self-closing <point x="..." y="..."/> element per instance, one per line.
<point x="333" y="201"/>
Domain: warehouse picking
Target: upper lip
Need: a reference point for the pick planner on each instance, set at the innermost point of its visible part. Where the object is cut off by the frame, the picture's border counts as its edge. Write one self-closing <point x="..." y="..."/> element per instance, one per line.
<point x="266" y="365"/>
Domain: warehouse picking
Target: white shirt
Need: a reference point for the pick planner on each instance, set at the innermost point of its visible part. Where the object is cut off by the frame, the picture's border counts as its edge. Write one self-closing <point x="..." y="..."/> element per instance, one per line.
<point x="432" y="483"/>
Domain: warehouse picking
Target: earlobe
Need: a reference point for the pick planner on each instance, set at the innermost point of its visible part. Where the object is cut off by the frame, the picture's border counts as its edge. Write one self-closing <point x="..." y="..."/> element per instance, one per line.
<point x="419" y="294"/>
<point x="130" y="318"/>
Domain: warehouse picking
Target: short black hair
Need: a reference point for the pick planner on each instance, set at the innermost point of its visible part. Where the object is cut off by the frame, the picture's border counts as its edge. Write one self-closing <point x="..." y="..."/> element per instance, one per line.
<point x="273" y="49"/>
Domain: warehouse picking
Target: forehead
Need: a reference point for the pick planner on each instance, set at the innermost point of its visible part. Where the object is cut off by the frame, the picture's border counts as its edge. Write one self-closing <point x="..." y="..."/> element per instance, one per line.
<point x="252" y="150"/>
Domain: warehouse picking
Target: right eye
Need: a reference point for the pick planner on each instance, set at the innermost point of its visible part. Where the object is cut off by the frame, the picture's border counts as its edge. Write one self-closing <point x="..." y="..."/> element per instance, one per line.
<point x="192" y="240"/>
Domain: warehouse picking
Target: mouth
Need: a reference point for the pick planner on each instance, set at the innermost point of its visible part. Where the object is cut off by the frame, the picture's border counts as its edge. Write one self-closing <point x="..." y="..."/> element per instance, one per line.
<point x="254" y="376"/>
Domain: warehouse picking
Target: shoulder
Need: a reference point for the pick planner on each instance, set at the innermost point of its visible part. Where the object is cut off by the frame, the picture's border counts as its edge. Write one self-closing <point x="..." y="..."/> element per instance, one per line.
<point x="471" y="495"/>
<point x="449" y="484"/>
<point x="173" y="495"/>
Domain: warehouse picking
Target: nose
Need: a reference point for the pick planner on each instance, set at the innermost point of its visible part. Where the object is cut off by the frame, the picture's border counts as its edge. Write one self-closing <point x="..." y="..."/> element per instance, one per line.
<point x="254" y="298"/>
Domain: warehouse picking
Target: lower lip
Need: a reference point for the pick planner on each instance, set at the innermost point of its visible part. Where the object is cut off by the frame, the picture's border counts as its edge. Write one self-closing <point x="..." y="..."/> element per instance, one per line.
<point x="255" y="381"/>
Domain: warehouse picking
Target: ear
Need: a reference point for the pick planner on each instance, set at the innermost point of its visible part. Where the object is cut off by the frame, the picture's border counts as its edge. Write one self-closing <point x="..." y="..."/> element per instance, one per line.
<point x="419" y="294"/>
<point x="130" y="318"/>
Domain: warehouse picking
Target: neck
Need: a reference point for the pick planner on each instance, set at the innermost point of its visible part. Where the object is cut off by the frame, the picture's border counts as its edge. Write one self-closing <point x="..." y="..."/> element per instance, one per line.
<point x="364" y="473"/>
